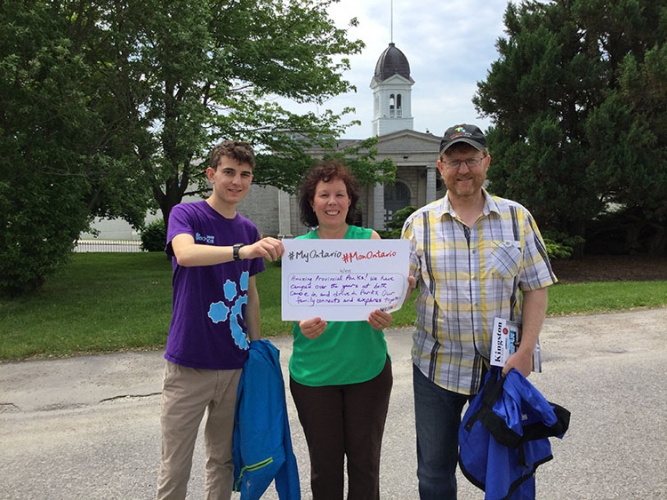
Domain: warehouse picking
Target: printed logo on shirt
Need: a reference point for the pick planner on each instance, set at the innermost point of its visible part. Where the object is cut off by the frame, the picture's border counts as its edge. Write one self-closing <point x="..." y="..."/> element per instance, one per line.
<point x="209" y="240"/>
<point x="231" y="308"/>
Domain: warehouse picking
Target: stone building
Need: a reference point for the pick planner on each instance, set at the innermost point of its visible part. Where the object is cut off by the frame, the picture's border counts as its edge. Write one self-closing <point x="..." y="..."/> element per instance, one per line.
<point x="415" y="154"/>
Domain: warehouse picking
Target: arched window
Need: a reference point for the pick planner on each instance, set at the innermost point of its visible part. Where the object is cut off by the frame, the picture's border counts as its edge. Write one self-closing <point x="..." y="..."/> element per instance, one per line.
<point x="399" y="106"/>
<point x="392" y="106"/>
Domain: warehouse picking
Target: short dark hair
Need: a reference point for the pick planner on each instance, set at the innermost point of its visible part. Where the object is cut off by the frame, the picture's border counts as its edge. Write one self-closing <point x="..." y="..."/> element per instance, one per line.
<point x="237" y="150"/>
<point x="326" y="171"/>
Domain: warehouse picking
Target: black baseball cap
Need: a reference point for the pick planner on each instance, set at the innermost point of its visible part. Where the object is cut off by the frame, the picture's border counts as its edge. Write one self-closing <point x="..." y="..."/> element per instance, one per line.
<point x="463" y="133"/>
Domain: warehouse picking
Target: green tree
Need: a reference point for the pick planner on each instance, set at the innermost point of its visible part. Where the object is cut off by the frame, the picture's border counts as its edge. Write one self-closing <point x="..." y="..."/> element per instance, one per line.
<point x="107" y="108"/>
<point x="198" y="72"/>
<point x="578" y="102"/>
<point x="54" y="169"/>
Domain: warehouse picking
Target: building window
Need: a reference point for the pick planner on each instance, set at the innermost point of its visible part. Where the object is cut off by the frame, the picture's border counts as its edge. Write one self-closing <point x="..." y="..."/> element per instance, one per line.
<point x="399" y="106"/>
<point x="396" y="196"/>
<point x="392" y="106"/>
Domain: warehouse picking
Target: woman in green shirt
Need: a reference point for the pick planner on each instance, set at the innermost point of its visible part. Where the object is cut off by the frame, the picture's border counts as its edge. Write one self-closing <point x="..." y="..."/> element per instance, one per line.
<point x="340" y="372"/>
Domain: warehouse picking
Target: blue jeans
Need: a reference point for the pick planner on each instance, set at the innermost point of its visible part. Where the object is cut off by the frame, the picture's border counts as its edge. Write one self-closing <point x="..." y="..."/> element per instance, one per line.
<point x="437" y="419"/>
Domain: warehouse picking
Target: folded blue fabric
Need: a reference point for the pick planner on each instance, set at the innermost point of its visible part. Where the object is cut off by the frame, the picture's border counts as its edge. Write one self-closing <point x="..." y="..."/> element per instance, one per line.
<point x="262" y="441"/>
<point x="504" y="436"/>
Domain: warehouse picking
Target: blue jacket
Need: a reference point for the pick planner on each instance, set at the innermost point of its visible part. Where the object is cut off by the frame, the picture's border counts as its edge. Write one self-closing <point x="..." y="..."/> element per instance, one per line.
<point x="504" y="436"/>
<point x="262" y="442"/>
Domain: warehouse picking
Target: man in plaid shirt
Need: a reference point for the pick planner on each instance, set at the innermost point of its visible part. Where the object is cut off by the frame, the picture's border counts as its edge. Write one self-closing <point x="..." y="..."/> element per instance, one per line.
<point x="475" y="257"/>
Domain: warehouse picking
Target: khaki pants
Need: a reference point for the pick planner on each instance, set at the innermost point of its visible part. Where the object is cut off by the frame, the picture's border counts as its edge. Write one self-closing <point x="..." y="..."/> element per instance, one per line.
<point x="187" y="394"/>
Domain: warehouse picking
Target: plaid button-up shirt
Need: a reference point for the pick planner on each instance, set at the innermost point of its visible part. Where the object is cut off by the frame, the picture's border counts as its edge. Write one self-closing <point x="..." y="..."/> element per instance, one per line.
<point x="467" y="276"/>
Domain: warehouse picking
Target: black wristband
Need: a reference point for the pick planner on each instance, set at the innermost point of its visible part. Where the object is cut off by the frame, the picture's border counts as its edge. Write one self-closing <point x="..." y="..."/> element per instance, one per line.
<point x="236" y="249"/>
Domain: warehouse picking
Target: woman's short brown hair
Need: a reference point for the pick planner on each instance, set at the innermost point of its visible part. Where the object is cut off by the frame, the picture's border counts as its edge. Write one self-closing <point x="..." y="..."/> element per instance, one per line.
<point x="326" y="171"/>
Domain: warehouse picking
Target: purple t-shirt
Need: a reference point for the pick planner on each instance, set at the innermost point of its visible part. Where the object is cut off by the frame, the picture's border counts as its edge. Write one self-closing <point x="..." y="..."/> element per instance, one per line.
<point x="208" y="329"/>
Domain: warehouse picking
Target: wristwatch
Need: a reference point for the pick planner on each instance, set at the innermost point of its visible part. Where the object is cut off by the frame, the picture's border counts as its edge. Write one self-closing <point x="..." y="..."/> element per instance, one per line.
<point x="236" y="249"/>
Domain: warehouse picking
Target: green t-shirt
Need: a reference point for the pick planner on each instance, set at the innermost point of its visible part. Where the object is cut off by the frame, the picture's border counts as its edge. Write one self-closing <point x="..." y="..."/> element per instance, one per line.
<point x="347" y="352"/>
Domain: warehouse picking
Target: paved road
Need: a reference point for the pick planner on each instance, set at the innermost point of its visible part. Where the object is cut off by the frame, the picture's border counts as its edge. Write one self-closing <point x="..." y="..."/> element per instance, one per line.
<point x="88" y="427"/>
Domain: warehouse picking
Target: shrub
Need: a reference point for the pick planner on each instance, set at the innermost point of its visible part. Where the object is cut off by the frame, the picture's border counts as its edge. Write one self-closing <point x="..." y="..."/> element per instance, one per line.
<point x="561" y="246"/>
<point x="154" y="237"/>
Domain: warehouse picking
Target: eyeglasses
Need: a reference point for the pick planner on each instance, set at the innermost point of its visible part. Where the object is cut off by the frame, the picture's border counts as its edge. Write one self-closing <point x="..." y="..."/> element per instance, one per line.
<point x="471" y="162"/>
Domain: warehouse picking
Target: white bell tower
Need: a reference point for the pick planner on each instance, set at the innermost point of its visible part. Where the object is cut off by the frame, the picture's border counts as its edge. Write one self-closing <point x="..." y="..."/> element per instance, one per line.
<point x="392" y="93"/>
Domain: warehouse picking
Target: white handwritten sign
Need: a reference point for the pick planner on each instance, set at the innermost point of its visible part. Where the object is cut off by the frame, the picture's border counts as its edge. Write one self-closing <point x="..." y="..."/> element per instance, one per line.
<point x="343" y="280"/>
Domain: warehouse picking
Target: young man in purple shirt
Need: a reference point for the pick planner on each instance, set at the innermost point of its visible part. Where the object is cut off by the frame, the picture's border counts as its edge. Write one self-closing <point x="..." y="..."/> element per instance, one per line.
<point x="216" y="254"/>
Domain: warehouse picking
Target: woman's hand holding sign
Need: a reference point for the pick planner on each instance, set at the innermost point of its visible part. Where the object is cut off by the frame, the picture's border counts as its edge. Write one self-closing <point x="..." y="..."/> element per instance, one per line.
<point x="312" y="328"/>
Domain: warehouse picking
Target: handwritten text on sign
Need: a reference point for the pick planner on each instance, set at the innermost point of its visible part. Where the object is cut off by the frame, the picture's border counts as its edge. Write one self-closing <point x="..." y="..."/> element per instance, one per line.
<point x="342" y="280"/>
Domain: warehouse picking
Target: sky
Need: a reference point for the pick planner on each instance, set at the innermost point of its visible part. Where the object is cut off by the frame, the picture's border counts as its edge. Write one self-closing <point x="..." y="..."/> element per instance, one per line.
<point x="450" y="45"/>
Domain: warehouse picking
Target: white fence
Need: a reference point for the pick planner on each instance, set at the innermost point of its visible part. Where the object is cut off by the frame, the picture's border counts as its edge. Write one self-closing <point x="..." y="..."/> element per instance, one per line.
<point x="119" y="246"/>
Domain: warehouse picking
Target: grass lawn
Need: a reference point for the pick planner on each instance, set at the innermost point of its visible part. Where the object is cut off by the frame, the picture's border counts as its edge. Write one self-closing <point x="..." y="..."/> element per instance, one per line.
<point x="103" y="302"/>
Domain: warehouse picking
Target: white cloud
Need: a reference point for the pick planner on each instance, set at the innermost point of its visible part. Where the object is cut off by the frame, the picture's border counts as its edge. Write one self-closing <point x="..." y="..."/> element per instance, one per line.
<point x="450" y="45"/>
